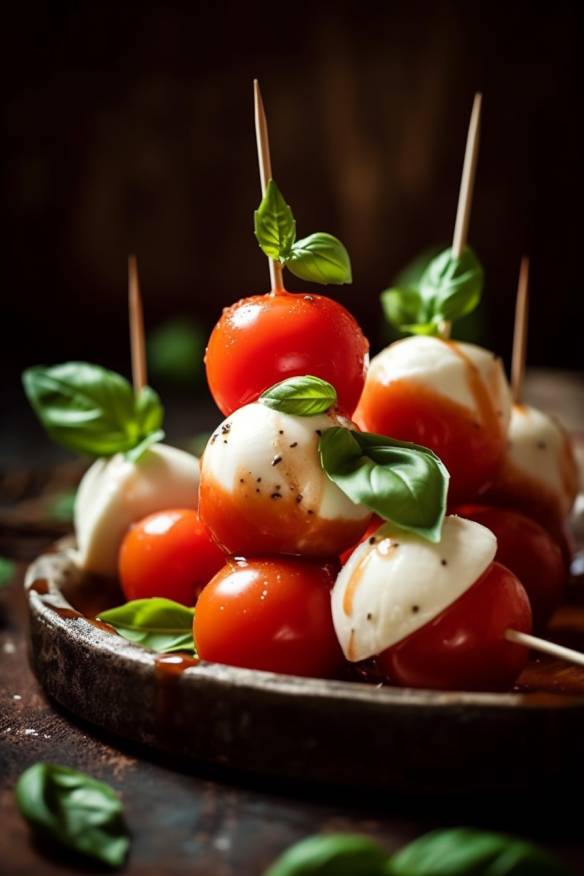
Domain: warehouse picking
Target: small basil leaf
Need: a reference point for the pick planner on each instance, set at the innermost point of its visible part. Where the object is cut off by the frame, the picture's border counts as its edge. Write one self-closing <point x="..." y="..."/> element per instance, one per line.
<point x="91" y="410"/>
<point x="452" y="285"/>
<point x="137" y="452"/>
<point x="275" y="227"/>
<point x="175" y="352"/>
<point x="331" y="855"/>
<point x="7" y="570"/>
<point x="468" y="852"/>
<point x="401" y="305"/>
<point x="320" y="258"/>
<point x="156" y="623"/>
<point x="404" y="483"/>
<point x="74" y="810"/>
<point x="301" y="396"/>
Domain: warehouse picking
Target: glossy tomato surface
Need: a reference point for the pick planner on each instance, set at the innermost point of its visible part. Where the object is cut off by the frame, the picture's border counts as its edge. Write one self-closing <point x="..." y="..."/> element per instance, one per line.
<point x="471" y="451"/>
<point x="264" y="339"/>
<point x="529" y="552"/>
<point x="270" y="614"/>
<point x="169" y="553"/>
<point x="464" y="647"/>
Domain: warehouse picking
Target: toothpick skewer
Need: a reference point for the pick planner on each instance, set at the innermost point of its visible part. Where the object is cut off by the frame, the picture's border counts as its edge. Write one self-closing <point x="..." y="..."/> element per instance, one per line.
<point x="520" y="332"/>
<point x="551" y="648"/>
<point x="466" y="189"/>
<point x="265" y="165"/>
<point x="137" y="344"/>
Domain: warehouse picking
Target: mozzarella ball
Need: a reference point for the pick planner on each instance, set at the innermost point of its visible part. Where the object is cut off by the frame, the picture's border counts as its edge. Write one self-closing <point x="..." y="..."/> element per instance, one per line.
<point x="263" y="490"/>
<point x="539" y="474"/>
<point x="114" y="493"/>
<point x="449" y="396"/>
<point x="396" y="582"/>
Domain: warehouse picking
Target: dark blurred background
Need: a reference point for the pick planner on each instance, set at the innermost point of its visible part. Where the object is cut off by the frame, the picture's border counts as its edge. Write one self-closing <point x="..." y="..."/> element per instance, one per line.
<point x="129" y="129"/>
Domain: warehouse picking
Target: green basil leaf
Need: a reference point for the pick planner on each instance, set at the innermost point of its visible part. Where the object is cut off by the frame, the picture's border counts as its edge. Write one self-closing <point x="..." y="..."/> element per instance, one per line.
<point x="74" y="810"/>
<point x="301" y="396"/>
<point x="275" y="226"/>
<point x="404" y="308"/>
<point x="7" y="570"/>
<point x="175" y="352"/>
<point x="404" y="483"/>
<point x="91" y="410"/>
<point x="331" y="855"/>
<point x="61" y="506"/>
<point x="157" y="623"/>
<point x="452" y="285"/>
<point x="137" y="452"/>
<point x="320" y="258"/>
<point x="468" y="852"/>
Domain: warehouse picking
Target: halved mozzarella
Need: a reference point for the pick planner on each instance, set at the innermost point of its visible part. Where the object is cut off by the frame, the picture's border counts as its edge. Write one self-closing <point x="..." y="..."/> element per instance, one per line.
<point x="279" y="453"/>
<point x="114" y="493"/>
<point x="396" y="582"/>
<point x="444" y="366"/>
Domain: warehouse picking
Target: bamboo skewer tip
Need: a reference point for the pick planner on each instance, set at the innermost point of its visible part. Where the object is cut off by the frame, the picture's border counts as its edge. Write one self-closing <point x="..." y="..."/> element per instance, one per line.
<point x="137" y="340"/>
<point x="265" y="168"/>
<point x="520" y="333"/>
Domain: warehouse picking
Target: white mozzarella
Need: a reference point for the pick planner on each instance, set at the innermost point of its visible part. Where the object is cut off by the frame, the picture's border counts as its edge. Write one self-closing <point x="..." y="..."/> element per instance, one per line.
<point x="388" y="589"/>
<point x="282" y="450"/>
<point x="538" y="449"/>
<point x="443" y="367"/>
<point x="114" y="493"/>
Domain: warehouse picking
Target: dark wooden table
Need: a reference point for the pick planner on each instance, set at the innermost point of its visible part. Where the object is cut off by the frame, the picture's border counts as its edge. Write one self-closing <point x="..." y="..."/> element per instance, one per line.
<point x="209" y="824"/>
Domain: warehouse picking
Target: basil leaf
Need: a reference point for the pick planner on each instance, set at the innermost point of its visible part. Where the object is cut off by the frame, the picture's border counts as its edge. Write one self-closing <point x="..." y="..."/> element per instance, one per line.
<point x="320" y="258"/>
<point x="75" y="811"/>
<point x="448" y="289"/>
<point x="91" y="410"/>
<point x="7" y="570"/>
<point x="175" y="352"/>
<point x="275" y="226"/>
<point x="156" y="623"/>
<point x="301" y="396"/>
<point x="331" y="855"/>
<point x="137" y="452"/>
<point x="61" y="506"/>
<point x="404" y="483"/>
<point x="468" y="852"/>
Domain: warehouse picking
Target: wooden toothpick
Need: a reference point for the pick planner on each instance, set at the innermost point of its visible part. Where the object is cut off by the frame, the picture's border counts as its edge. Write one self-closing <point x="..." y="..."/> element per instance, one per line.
<point x="466" y="189"/>
<point x="537" y="644"/>
<point x="265" y="165"/>
<point x="137" y="344"/>
<point x="520" y="332"/>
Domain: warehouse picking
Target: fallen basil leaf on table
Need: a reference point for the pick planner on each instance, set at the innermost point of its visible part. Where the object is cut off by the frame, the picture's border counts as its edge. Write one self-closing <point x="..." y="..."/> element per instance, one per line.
<point x="157" y="623"/>
<point x="335" y="854"/>
<point x="402" y="482"/>
<point x="304" y="396"/>
<point x="74" y="810"/>
<point x="7" y="570"/>
<point x="468" y="852"/>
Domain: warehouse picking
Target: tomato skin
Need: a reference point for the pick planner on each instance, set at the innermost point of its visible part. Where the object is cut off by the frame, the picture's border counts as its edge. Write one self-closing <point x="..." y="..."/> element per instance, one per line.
<point x="264" y="339"/>
<point x="464" y="647"/>
<point x="524" y="547"/>
<point x="169" y="553"/>
<point x="270" y="614"/>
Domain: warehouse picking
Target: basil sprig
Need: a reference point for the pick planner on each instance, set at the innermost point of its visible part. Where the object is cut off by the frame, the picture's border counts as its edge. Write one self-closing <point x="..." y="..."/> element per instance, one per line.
<point x="89" y="409"/>
<point x="157" y="623"/>
<point x="74" y="810"/>
<point x="467" y="852"/>
<point x="335" y="854"/>
<point x="319" y="258"/>
<point x="7" y="571"/>
<point x="449" y="288"/>
<point x="404" y="483"/>
<point x="457" y="852"/>
<point x="304" y="396"/>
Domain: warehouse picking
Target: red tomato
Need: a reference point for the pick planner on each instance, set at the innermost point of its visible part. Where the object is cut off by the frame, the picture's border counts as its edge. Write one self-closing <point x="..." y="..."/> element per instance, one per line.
<point x="264" y="339"/>
<point x="170" y="554"/>
<point x="269" y="614"/>
<point x="529" y="552"/>
<point x="403" y="409"/>
<point x="464" y="647"/>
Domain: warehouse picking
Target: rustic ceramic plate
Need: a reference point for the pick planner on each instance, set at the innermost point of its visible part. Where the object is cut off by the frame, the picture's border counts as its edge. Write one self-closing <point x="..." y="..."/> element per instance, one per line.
<point x="326" y="731"/>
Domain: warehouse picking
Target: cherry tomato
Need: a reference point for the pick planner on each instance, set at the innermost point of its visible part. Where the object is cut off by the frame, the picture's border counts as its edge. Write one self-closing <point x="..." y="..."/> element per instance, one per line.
<point x="264" y="339"/>
<point x="170" y="554"/>
<point x="464" y="647"/>
<point x="269" y="614"/>
<point x="529" y="552"/>
<point x="403" y="409"/>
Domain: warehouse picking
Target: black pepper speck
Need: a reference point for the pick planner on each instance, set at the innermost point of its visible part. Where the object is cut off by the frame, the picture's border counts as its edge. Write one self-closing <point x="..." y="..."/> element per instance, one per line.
<point x="372" y="540"/>
<point x="415" y="609"/>
<point x="276" y="460"/>
<point x="276" y="496"/>
<point x="444" y="562"/>
<point x="294" y="444"/>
